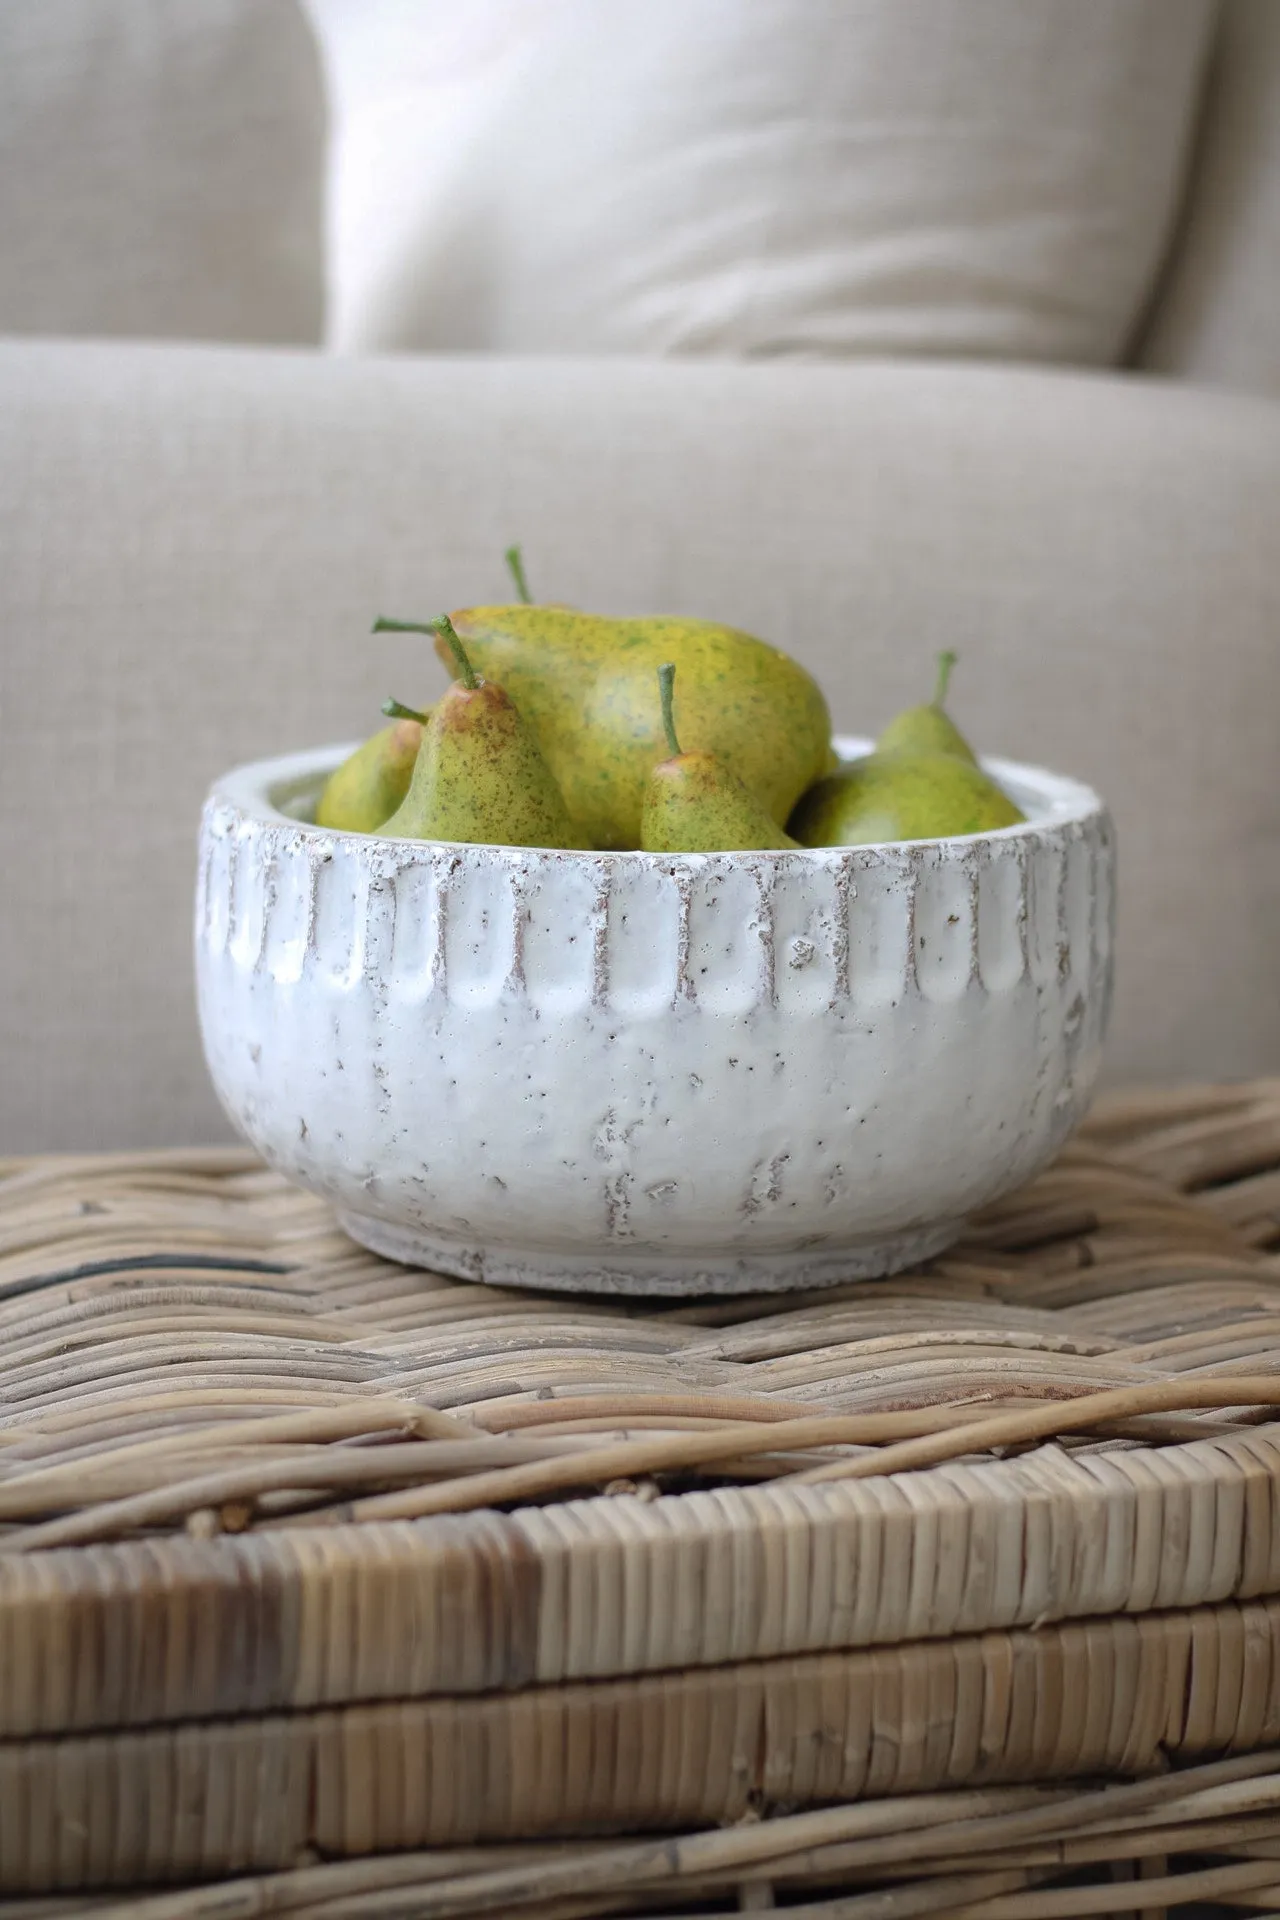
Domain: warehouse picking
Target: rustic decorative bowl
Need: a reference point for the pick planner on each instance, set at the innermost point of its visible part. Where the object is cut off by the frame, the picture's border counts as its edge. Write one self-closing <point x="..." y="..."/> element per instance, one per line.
<point x="652" y="1073"/>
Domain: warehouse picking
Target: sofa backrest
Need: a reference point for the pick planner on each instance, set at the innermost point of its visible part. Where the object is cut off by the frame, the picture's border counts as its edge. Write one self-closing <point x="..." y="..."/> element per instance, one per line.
<point x="1216" y="317"/>
<point x="161" y="169"/>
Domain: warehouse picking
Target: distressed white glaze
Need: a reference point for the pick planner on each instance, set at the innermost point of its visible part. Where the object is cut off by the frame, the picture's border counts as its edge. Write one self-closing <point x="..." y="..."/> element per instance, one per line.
<point x="652" y="1073"/>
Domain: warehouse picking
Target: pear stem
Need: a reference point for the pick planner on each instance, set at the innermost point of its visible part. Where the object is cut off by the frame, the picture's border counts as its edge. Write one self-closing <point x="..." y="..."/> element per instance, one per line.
<point x="666" y="688"/>
<point x="946" y="660"/>
<point x="515" y="566"/>
<point x="396" y="710"/>
<point x="449" y="634"/>
<point x="445" y="629"/>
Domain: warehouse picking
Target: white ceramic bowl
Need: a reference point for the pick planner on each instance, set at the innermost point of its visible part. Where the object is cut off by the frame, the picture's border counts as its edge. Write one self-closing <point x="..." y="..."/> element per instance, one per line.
<point x="652" y="1073"/>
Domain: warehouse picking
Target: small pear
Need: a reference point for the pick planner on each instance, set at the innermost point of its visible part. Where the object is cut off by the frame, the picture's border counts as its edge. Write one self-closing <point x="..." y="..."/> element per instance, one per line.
<point x="928" y="729"/>
<point x="694" y="803"/>
<point x="371" y="782"/>
<point x="479" y="776"/>
<point x="901" y="796"/>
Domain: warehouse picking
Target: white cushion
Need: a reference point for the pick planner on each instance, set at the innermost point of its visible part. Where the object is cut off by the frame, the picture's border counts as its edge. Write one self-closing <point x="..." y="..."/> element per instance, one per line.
<point x="988" y="177"/>
<point x="161" y="169"/>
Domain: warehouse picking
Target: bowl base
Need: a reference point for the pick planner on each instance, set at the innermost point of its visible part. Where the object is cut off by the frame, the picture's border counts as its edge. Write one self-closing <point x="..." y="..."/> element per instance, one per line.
<point x="648" y="1272"/>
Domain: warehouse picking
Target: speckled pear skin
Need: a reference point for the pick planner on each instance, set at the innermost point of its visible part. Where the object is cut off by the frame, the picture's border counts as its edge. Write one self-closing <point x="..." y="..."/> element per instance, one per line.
<point x="695" y="804"/>
<point x="901" y="796"/>
<point x="480" y="778"/>
<point x="585" y="685"/>
<point x="370" y="784"/>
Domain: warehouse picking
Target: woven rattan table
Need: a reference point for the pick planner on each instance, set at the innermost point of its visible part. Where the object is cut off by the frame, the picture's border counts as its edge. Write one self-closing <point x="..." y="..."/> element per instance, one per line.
<point x="329" y="1587"/>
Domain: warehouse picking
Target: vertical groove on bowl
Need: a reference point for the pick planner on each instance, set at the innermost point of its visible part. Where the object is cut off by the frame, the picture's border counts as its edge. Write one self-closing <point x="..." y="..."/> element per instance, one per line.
<point x="766" y="930"/>
<point x="522" y="897"/>
<point x="315" y="856"/>
<point x="944" y="938"/>
<point x="846" y="896"/>
<point x="599" y="926"/>
<point x="683" y="881"/>
<point x="882" y="930"/>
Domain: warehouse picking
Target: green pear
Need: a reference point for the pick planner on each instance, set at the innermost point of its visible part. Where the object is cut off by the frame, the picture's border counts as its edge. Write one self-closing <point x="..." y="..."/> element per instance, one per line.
<point x="479" y="776"/>
<point x="584" y="684"/>
<point x="901" y="796"/>
<point x="371" y="782"/>
<point x="694" y="803"/>
<point x="928" y="729"/>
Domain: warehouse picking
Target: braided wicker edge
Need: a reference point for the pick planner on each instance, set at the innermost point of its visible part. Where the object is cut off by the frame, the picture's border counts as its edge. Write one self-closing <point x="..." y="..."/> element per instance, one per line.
<point x="1119" y="1696"/>
<point x="174" y="1628"/>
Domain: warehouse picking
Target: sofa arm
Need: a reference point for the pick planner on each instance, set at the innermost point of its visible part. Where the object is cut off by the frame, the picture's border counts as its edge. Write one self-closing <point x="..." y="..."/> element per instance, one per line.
<point x="193" y="543"/>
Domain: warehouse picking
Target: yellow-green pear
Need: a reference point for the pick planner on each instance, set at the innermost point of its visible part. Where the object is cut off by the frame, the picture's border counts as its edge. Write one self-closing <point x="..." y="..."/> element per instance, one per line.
<point x="584" y="683"/>
<point x="479" y="776"/>
<point x="901" y="796"/>
<point x="930" y="728"/>
<point x="371" y="782"/>
<point x="694" y="803"/>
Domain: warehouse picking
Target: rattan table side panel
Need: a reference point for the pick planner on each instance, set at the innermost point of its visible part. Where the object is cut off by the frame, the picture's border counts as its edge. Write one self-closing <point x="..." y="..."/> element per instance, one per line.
<point x="1122" y="1696"/>
<point x="174" y="1628"/>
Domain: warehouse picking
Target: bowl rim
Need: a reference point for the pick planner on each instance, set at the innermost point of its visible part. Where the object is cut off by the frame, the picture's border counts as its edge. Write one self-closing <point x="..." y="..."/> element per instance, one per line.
<point x="254" y="789"/>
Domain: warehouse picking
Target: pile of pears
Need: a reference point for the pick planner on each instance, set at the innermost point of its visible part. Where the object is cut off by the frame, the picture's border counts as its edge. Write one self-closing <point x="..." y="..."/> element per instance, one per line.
<point x="561" y="729"/>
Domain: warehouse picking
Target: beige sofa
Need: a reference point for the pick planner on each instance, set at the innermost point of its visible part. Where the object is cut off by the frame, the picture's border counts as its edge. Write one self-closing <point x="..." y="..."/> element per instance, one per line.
<point x="194" y="534"/>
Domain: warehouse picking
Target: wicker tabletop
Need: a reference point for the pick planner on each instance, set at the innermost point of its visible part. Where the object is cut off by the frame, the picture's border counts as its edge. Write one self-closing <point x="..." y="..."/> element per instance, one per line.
<point x="392" y="1594"/>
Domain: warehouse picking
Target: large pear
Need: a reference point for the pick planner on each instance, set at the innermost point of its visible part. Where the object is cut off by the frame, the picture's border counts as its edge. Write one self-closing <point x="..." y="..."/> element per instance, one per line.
<point x="584" y="683"/>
